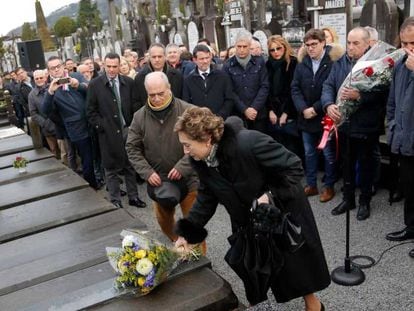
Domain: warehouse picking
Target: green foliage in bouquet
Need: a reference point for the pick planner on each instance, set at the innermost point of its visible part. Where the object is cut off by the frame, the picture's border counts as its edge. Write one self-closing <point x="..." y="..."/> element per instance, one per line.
<point x="20" y="162"/>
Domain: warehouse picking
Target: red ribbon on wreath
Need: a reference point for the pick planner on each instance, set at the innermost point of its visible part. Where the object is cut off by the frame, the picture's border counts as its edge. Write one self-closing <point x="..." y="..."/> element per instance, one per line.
<point x="328" y="127"/>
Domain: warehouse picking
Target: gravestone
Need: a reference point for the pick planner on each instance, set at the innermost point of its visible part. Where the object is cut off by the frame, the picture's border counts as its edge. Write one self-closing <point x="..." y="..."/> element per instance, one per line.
<point x="10" y="131"/>
<point x="51" y="212"/>
<point x="37" y="188"/>
<point x="68" y="47"/>
<point x="336" y="21"/>
<point x="41" y="167"/>
<point x="193" y="36"/>
<point x="262" y="35"/>
<point x="47" y="255"/>
<point x="383" y="16"/>
<point x="15" y="144"/>
<point x="30" y="155"/>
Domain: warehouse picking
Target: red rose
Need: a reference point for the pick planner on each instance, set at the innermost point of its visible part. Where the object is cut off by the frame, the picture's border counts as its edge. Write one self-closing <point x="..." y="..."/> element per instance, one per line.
<point x="19" y="158"/>
<point x="390" y="62"/>
<point x="369" y="71"/>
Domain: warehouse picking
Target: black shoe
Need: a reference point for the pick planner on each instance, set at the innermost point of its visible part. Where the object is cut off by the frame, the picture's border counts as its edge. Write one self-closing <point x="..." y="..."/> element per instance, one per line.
<point x="123" y="193"/>
<point x="363" y="211"/>
<point x="342" y="207"/>
<point x="137" y="202"/>
<point x="411" y="253"/>
<point x="117" y="204"/>
<point x="400" y="235"/>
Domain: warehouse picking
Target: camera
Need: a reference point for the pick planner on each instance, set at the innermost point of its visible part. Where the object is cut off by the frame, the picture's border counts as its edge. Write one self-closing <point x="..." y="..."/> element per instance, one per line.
<point x="65" y="80"/>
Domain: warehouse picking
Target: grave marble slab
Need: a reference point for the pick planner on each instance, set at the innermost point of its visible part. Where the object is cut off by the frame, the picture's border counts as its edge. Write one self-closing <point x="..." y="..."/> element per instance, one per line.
<point x="51" y="212"/>
<point x="30" y="155"/>
<point x="200" y="290"/>
<point x="79" y="290"/>
<point x="10" y="131"/>
<point x="42" y="167"/>
<point x="37" y="188"/>
<point x="4" y="122"/>
<point x="56" y="252"/>
<point x="15" y="144"/>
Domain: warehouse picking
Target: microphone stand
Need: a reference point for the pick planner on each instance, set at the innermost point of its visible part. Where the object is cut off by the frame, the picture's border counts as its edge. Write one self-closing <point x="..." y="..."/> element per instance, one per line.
<point x="348" y="274"/>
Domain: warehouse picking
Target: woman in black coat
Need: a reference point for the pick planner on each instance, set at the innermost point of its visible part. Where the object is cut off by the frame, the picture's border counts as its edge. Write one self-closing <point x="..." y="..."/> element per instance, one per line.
<point x="281" y="66"/>
<point x="236" y="166"/>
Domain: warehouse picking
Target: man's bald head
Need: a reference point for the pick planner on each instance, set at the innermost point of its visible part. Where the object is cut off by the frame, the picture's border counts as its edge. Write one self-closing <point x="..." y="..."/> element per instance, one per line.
<point x="357" y="42"/>
<point x="158" y="88"/>
<point x="156" y="77"/>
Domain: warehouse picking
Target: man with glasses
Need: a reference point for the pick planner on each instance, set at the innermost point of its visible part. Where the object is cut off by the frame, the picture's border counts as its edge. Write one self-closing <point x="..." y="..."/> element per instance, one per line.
<point x="110" y="111"/>
<point x="35" y="101"/>
<point x="66" y="96"/>
<point x="250" y="83"/>
<point x="314" y="66"/>
<point x="155" y="152"/>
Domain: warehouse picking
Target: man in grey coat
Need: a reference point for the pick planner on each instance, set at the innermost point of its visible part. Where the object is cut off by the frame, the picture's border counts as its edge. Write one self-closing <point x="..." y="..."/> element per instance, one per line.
<point x="400" y="116"/>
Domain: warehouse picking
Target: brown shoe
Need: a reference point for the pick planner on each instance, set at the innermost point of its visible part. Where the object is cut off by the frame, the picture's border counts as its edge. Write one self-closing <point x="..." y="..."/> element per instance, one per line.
<point x="310" y="191"/>
<point x="327" y="194"/>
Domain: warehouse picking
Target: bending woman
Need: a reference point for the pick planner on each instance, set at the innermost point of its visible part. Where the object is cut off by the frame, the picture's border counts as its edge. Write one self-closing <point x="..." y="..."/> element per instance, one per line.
<point x="236" y="166"/>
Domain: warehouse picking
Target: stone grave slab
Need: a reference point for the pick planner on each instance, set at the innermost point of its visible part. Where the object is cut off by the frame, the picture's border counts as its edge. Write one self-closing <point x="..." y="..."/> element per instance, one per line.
<point x="30" y="155"/>
<point x="4" y="122"/>
<point x="51" y="212"/>
<point x="200" y="290"/>
<point x="37" y="188"/>
<point x="10" y="131"/>
<point x="15" y="144"/>
<point x="56" y="252"/>
<point x="42" y="167"/>
<point x="78" y="290"/>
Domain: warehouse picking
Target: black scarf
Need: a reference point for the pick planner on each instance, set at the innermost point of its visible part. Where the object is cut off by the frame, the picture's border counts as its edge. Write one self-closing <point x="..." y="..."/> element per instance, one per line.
<point x="277" y="79"/>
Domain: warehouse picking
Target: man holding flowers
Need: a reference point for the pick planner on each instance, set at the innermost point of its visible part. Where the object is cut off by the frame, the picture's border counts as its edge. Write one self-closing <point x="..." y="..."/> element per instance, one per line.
<point x="359" y="134"/>
<point x="400" y="116"/>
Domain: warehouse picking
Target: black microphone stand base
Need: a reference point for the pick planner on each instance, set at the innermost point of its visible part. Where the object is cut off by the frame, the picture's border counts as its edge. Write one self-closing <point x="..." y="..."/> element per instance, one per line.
<point x="353" y="277"/>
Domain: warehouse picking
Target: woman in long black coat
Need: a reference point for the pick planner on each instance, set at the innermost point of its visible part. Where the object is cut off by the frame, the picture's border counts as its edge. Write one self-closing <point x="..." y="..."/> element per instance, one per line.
<point x="236" y="166"/>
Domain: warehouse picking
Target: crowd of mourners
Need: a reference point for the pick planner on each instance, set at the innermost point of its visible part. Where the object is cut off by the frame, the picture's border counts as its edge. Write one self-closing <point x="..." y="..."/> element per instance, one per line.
<point x="115" y="122"/>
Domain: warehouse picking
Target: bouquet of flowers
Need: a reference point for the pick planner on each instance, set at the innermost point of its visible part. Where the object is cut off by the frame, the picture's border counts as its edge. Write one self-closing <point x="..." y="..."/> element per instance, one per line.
<point x="372" y="72"/>
<point x="20" y="162"/>
<point x="143" y="263"/>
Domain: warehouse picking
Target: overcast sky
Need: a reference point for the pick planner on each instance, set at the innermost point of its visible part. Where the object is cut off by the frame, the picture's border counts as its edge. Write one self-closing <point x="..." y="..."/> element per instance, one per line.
<point x="15" y="12"/>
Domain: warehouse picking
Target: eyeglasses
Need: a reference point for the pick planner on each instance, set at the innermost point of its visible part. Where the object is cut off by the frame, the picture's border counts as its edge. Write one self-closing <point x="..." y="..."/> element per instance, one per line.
<point x="53" y="68"/>
<point x="311" y="45"/>
<point x="276" y="49"/>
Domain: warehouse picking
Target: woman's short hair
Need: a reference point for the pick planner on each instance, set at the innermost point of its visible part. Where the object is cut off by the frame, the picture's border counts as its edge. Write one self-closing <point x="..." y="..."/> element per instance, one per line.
<point x="278" y="39"/>
<point x="200" y="124"/>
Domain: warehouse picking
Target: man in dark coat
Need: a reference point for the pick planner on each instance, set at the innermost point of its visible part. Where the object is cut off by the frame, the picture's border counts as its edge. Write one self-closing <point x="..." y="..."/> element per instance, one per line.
<point x="110" y="111"/>
<point x="314" y="66"/>
<point x="400" y="116"/>
<point x="207" y="86"/>
<point x="157" y="62"/>
<point x="250" y="83"/>
<point x="361" y="132"/>
<point x="237" y="169"/>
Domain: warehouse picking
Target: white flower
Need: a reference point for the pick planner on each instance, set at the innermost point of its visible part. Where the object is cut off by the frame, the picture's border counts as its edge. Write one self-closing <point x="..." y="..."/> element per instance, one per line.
<point x="129" y="241"/>
<point x="144" y="266"/>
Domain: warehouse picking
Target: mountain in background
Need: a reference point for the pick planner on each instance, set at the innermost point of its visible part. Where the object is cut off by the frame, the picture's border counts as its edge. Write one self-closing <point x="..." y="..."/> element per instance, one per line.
<point x="70" y="10"/>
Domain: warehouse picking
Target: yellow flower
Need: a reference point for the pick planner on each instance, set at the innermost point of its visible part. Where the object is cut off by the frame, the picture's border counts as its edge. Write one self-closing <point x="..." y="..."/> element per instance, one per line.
<point x="141" y="281"/>
<point x="140" y="254"/>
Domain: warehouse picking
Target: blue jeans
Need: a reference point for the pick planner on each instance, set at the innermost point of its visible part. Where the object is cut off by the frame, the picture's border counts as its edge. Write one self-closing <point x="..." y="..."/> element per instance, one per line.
<point x="310" y="142"/>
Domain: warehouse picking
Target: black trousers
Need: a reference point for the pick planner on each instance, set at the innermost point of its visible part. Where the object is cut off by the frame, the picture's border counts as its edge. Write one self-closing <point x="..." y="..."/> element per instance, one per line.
<point x="362" y="150"/>
<point x="407" y="181"/>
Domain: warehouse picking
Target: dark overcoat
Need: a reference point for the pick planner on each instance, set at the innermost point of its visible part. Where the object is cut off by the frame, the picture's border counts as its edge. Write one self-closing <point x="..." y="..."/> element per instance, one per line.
<point x="250" y="163"/>
<point x="103" y="115"/>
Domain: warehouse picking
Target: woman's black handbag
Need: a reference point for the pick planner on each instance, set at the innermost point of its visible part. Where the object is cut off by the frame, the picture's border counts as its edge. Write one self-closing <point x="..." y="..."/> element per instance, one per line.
<point x="270" y="218"/>
<point x="256" y="260"/>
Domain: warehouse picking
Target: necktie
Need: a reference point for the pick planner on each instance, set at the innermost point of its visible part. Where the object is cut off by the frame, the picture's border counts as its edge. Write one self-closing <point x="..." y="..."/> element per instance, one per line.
<point x="205" y="75"/>
<point x="118" y="101"/>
